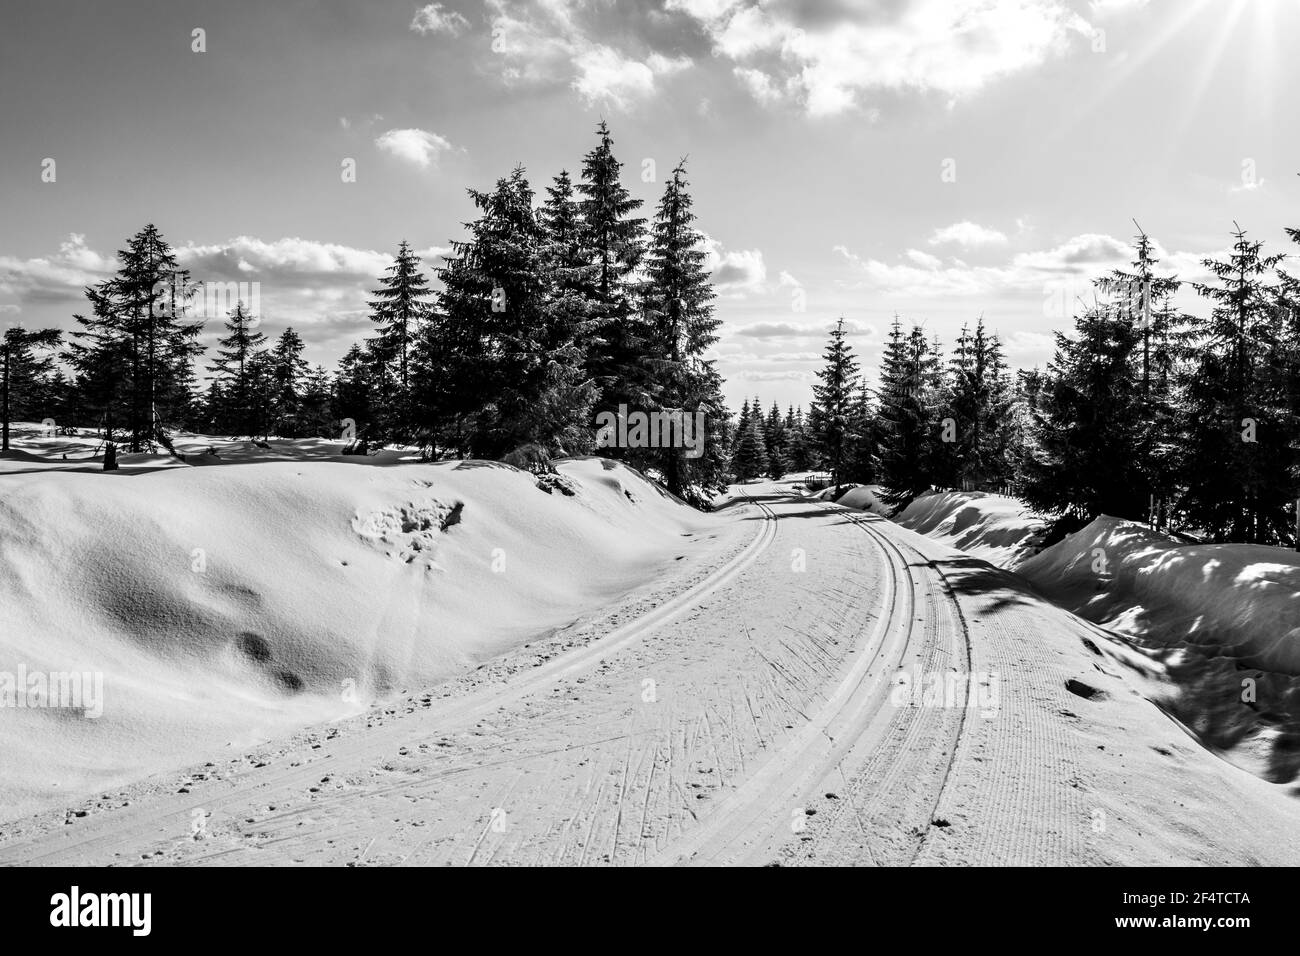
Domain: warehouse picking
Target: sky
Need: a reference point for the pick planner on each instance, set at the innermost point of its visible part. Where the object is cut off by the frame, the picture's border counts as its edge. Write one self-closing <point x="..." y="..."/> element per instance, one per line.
<point x="938" y="160"/>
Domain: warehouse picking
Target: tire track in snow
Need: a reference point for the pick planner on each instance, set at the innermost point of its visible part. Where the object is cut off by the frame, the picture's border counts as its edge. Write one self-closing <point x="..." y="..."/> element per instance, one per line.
<point x="158" y="818"/>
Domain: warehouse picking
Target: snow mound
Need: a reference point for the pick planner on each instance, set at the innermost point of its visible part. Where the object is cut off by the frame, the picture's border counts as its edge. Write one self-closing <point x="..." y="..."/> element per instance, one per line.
<point x="998" y="529"/>
<point x="227" y="605"/>
<point x="864" y="498"/>
<point x="1234" y="600"/>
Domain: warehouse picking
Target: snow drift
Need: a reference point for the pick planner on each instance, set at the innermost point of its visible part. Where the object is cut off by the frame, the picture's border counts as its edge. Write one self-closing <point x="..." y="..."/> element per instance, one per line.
<point x="1234" y="600"/>
<point x="1003" y="531"/>
<point x="227" y="605"/>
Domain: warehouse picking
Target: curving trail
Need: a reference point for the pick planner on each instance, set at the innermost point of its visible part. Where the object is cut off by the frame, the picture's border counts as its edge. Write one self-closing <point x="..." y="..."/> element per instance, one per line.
<point x="745" y="709"/>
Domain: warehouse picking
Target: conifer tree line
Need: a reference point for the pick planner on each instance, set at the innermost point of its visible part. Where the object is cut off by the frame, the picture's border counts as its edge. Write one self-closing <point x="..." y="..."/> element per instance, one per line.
<point x="549" y="311"/>
<point x="1190" y="422"/>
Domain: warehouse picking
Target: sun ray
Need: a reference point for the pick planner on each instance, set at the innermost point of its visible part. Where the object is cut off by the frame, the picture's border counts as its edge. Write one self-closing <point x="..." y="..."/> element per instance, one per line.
<point x="1206" y="70"/>
<point x="1117" y="78"/>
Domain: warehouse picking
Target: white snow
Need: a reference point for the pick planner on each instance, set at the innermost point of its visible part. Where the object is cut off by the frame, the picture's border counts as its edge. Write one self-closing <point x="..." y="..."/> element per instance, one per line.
<point x="1234" y="599"/>
<point x="231" y="604"/>
<point x="1001" y="530"/>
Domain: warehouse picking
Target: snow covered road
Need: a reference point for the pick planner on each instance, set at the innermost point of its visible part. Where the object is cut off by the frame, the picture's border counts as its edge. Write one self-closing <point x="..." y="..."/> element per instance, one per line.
<point x="785" y="697"/>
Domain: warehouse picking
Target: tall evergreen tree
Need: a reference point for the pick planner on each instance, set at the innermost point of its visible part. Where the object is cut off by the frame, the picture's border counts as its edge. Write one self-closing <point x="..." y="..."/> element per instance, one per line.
<point x="677" y="303"/>
<point x="26" y="368"/>
<point x="571" y="320"/>
<point x="801" y="459"/>
<point x="513" y="374"/>
<point x="238" y="368"/>
<point x="833" y="397"/>
<point x="978" y="404"/>
<point x="1240" y="438"/>
<point x="615" y="240"/>
<point x="289" y="372"/>
<point x="750" y="460"/>
<point x="1143" y="298"/>
<point x="134" y="351"/>
<point x="354" y="392"/>
<point x="1089" y="424"/>
<point x="861" y="464"/>
<point x="776" y="443"/>
<point x="399" y="309"/>
<point x="908" y="416"/>
<point x="742" y="426"/>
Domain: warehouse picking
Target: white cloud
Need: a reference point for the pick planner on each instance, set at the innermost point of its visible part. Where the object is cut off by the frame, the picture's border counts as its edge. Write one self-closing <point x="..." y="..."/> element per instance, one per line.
<point x="605" y="75"/>
<point x="545" y="41"/>
<point x="736" y="272"/>
<point x="59" y="277"/>
<point x="416" y="146"/>
<point x="802" y="330"/>
<point x="435" y="19"/>
<point x="1102" y="9"/>
<point x="966" y="234"/>
<point x="1074" y="262"/>
<point x="304" y="260"/>
<point x="1081" y="253"/>
<point x="831" y="55"/>
<point x="761" y="86"/>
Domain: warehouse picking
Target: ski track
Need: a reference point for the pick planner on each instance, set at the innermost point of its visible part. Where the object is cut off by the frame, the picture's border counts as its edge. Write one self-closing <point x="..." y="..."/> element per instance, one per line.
<point x="767" y="736"/>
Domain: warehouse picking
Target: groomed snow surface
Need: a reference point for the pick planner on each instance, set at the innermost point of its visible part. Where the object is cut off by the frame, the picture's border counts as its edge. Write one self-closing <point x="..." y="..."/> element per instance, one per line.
<point x="254" y="591"/>
<point x="1212" y="631"/>
<point x="281" y="587"/>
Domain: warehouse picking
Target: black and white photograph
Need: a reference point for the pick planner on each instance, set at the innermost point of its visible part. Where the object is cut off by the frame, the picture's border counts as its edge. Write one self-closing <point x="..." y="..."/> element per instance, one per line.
<point x="680" y="433"/>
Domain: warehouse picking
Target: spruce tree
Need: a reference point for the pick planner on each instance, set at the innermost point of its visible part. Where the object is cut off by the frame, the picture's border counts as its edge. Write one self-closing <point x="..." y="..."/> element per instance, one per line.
<point x="751" y="454"/>
<point x="776" y="443"/>
<point x="399" y="309"/>
<point x="505" y="337"/>
<point x="237" y="367"/>
<point x="973" y="445"/>
<point x="614" y="238"/>
<point x="315" y="415"/>
<point x="796" y="430"/>
<point x="742" y="426"/>
<point x="354" y="392"/>
<point x="833" y="397"/>
<point x="1239" y="435"/>
<point x="1144" y="299"/>
<point x="677" y="303"/>
<point x="26" y="366"/>
<point x="289" y="374"/>
<point x="861" y="465"/>
<point x="568" y="333"/>
<point x="133" y="353"/>
<point x="1089" y="424"/>
<point x="908" y="419"/>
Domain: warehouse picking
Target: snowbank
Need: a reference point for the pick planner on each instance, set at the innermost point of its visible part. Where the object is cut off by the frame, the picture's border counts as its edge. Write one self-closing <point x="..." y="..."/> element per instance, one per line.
<point x="230" y="604"/>
<point x="1234" y="600"/>
<point x="1001" y="530"/>
<point x="864" y="498"/>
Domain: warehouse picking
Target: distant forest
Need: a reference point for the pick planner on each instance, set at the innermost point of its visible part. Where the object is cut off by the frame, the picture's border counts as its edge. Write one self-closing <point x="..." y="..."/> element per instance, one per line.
<point x="1188" y="422"/>
<point x="550" y="312"/>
